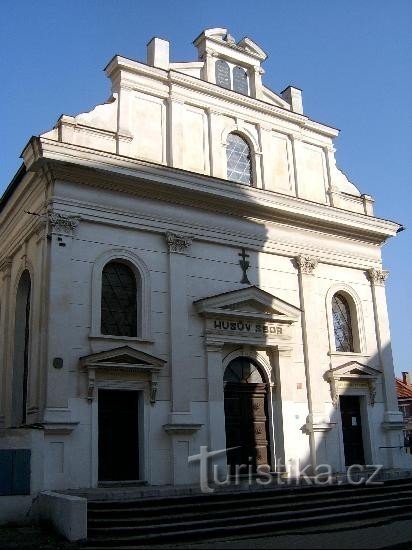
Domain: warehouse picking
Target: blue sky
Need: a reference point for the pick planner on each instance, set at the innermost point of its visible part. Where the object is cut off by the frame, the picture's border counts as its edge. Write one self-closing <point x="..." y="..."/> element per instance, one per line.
<point x="352" y="59"/>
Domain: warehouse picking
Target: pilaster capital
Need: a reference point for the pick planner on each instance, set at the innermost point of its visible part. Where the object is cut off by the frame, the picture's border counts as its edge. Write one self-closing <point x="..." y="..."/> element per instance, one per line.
<point x="284" y="351"/>
<point x="377" y="277"/>
<point x="62" y="223"/>
<point x="209" y="52"/>
<point x="178" y="244"/>
<point x="213" y="111"/>
<point x="174" y="99"/>
<point x="214" y="347"/>
<point x="259" y="70"/>
<point x="306" y="264"/>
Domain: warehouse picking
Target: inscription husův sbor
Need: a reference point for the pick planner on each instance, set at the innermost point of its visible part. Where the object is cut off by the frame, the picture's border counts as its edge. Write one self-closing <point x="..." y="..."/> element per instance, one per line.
<point x="247" y="327"/>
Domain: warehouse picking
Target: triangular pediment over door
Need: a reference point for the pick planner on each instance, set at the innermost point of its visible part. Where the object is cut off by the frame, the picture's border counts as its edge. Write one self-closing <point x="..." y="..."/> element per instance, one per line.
<point x="352" y="376"/>
<point x="248" y="315"/>
<point x="127" y="359"/>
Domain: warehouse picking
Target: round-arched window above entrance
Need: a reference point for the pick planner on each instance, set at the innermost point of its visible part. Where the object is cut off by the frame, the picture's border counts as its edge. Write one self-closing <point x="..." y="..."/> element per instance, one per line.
<point x="239" y="166"/>
<point x="243" y="370"/>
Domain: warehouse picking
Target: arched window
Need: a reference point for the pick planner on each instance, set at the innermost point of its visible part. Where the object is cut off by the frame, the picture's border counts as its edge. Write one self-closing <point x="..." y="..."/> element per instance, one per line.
<point x="240" y="81"/>
<point x="342" y="323"/>
<point x="119" y="300"/>
<point x="222" y="74"/>
<point x="243" y="371"/>
<point x="21" y="350"/>
<point x="238" y="159"/>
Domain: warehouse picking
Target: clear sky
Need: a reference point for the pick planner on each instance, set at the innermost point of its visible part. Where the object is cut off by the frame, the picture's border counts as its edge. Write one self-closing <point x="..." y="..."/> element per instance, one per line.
<point x="352" y="58"/>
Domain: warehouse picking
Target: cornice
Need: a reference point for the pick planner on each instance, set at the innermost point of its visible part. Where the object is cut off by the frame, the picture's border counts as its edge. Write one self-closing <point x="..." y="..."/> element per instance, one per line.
<point x="183" y="187"/>
<point x="162" y="221"/>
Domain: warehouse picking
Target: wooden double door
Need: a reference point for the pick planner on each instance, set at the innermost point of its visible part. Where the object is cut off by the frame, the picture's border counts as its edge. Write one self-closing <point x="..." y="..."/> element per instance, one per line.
<point x="246" y="417"/>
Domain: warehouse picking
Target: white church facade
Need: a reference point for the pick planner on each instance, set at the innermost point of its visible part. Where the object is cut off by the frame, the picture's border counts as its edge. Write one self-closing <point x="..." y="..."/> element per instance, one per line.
<point x="185" y="266"/>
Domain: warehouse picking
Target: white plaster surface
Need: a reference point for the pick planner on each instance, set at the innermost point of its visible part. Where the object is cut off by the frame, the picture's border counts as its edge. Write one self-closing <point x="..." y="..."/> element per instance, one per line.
<point x="153" y="161"/>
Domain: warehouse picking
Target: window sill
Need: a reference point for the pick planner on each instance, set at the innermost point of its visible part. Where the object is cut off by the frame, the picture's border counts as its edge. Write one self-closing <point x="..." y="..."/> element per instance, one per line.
<point x="121" y="338"/>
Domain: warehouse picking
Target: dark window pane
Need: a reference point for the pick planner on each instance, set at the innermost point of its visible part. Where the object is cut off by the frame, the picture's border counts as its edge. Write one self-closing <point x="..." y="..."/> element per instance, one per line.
<point x="240" y="83"/>
<point x="222" y="73"/>
<point x="119" y="300"/>
<point x="342" y="323"/>
<point x="238" y="159"/>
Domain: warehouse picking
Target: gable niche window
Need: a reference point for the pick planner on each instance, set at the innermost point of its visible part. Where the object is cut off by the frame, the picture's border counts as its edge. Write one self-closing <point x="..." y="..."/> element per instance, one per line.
<point x="239" y="167"/>
<point x="231" y="77"/>
<point x="222" y="74"/>
<point x="119" y="300"/>
<point x="240" y="81"/>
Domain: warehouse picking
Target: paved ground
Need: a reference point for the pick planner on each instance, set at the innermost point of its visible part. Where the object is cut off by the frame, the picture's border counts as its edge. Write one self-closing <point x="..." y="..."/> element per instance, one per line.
<point x="32" y="538"/>
<point x="395" y="535"/>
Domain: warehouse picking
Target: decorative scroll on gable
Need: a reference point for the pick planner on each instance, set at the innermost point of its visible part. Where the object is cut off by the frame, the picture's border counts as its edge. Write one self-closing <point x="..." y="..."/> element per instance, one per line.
<point x="353" y="377"/>
<point x="126" y="359"/>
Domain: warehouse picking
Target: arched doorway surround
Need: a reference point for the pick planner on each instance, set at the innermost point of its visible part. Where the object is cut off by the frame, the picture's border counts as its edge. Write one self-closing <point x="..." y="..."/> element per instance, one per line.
<point x="246" y="415"/>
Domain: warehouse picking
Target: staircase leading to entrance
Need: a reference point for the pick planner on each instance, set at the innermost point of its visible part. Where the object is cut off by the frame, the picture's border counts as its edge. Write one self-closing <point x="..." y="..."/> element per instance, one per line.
<point x="165" y="520"/>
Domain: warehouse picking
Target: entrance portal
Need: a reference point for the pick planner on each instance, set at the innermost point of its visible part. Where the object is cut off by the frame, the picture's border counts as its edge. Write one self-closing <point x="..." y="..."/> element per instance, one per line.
<point x="352" y="430"/>
<point x="246" y="415"/>
<point x="118" y="435"/>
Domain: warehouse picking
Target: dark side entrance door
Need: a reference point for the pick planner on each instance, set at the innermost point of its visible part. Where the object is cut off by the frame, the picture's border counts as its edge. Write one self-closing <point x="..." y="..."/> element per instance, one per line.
<point x="246" y="418"/>
<point x="118" y="435"/>
<point x="352" y="429"/>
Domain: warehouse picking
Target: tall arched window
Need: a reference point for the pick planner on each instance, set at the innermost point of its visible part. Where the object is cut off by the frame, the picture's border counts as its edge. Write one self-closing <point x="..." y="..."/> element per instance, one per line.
<point x="342" y="323"/>
<point x="21" y="350"/>
<point x="119" y="300"/>
<point x="239" y="168"/>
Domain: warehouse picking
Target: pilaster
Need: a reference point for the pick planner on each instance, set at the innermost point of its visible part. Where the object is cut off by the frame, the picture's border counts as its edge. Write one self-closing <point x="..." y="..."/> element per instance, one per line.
<point x="61" y="230"/>
<point x="283" y="436"/>
<point x="296" y="143"/>
<point x="208" y="73"/>
<point x="217" y="161"/>
<point x="124" y="120"/>
<point x="216" y="406"/>
<point x="175" y="115"/>
<point x="178" y="248"/>
<point x="256" y="81"/>
<point x="377" y="280"/>
<point x="393" y="422"/>
<point x="5" y="336"/>
<point x="316" y="423"/>
<point x="333" y="192"/>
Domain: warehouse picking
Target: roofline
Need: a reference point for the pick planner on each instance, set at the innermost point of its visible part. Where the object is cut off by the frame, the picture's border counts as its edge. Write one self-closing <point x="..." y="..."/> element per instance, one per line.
<point x="18" y="176"/>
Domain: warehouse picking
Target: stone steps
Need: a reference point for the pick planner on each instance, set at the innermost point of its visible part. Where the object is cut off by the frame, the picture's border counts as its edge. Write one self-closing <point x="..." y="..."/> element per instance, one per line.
<point x="113" y="524"/>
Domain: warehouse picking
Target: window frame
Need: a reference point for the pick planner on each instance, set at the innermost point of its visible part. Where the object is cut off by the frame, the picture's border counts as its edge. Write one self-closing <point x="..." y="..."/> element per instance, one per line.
<point x="143" y="300"/>
<point x="346" y="319"/>
<point x="251" y="158"/>
<point x="357" y="323"/>
<point x="135" y="292"/>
